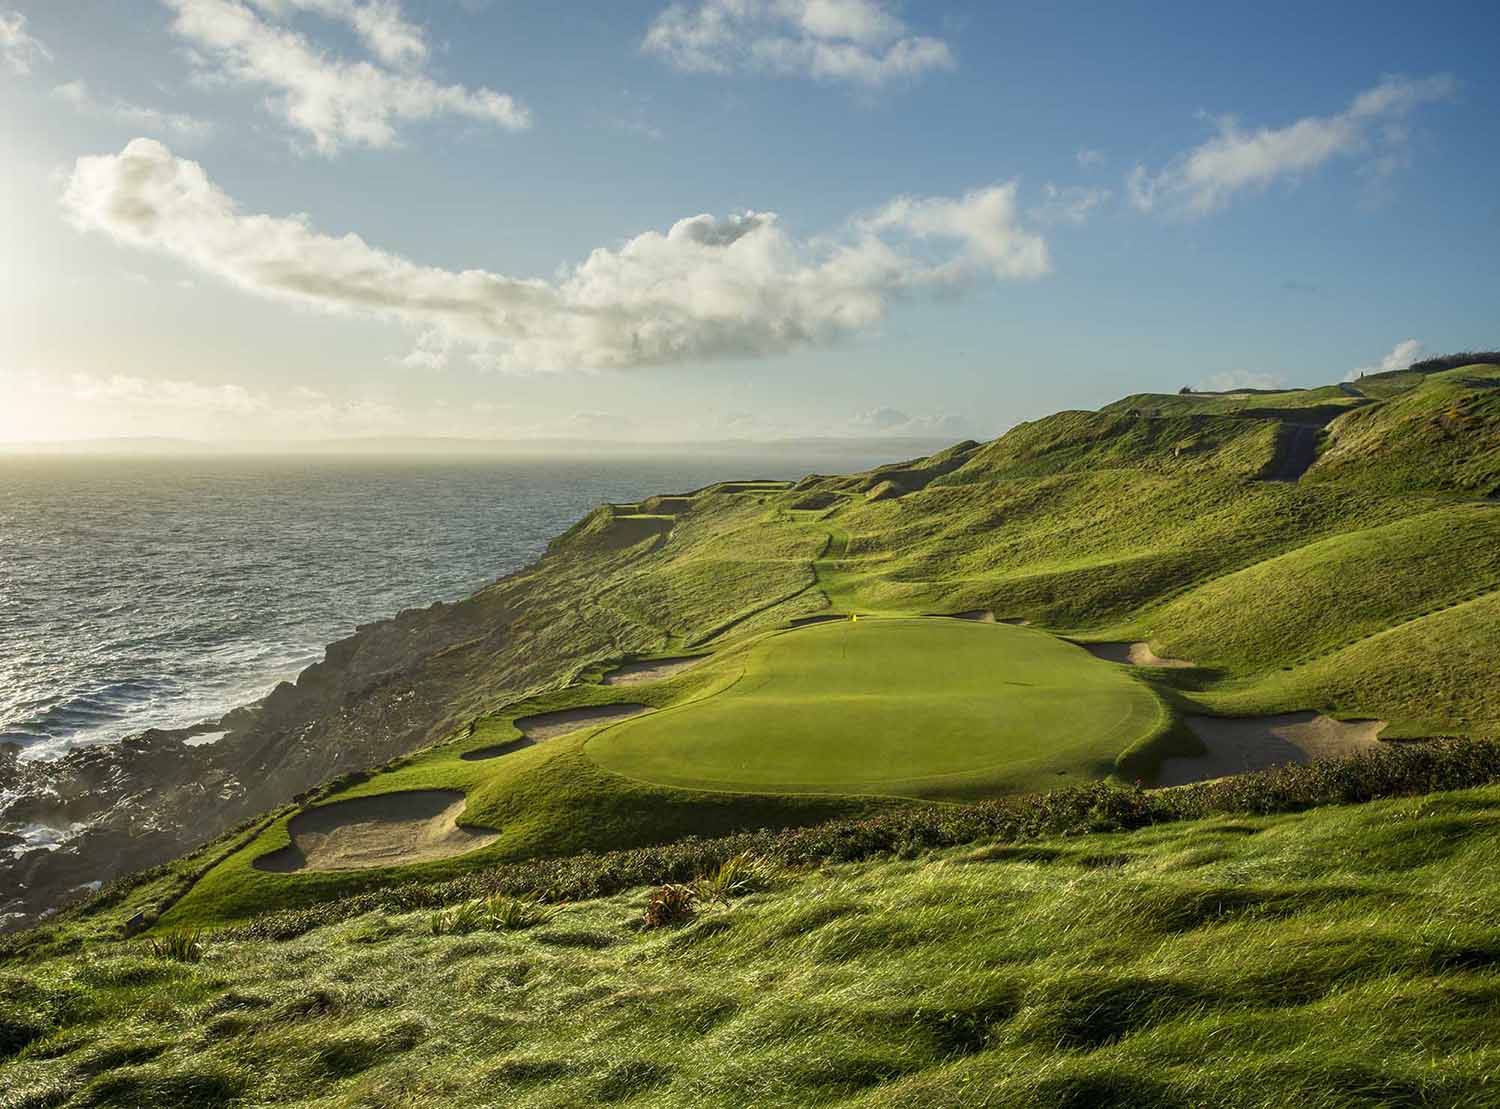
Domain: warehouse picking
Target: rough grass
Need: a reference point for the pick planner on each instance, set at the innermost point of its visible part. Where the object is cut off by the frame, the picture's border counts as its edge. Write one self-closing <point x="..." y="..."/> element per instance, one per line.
<point x="1336" y="957"/>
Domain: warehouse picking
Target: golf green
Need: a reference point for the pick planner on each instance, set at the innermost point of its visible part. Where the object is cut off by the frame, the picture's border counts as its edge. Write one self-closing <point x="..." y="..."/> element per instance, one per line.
<point x="926" y="707"/>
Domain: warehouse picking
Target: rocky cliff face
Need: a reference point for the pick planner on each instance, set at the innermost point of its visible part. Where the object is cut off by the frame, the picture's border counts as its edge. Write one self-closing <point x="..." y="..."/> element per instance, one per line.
<point x="105" y="811"/>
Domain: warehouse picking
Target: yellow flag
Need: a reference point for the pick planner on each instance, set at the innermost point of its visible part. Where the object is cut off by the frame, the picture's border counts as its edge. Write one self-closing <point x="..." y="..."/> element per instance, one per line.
<point x="853" y="616"/>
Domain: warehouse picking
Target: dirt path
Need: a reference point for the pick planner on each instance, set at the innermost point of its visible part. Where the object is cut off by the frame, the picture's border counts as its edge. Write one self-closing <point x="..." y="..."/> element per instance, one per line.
<point x="1240" y="744"/>
<point x="390" y="829"/>
<point x="650" y="670"/>
<point x="1133" y="654"/>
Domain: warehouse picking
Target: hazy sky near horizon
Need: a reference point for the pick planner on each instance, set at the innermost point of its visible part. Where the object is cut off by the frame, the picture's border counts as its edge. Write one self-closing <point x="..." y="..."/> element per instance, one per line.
<point x="752" y="218"/>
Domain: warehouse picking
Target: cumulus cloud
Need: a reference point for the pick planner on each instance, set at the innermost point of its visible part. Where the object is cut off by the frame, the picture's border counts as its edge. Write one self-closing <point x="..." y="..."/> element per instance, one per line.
<point x="19" y="49"/>
<point x="861" y="42"/>
<point x="984" y="223"/>
<point x="333" y="101"/>
<point x="1205" y="178"/>
<point x="1402" y="355"/>
<point x="1240" y="379"/>
<point x="1070" y="204"/>
<point x="78" y="94"/>
<point x="706" y="288"/>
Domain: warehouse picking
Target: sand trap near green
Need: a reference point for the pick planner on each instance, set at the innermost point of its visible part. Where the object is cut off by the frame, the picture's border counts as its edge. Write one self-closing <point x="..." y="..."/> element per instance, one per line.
<point x="925" y="707"/>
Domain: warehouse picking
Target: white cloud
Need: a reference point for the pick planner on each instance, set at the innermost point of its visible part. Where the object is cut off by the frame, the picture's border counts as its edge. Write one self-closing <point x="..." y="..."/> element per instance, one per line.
<point x="984" y="223"/>
<point x="335" y="102"/>
<point x="1204" y="179"/>
<point x="78" y="94"/>
<point x="1240" y="379"/>
<point x="1402" y="355"/>
<point x="859" y="41"/>
<point x="707" y="288"/>
<point x="19" y="49"/>
<point x="1071" y="204"/>
<point x="1089" y="158"/>
<point x="380" y="25"/>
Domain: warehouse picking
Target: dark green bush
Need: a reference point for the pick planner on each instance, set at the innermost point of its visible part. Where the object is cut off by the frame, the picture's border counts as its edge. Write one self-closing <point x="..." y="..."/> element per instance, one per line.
<point x="1398" y="770"/>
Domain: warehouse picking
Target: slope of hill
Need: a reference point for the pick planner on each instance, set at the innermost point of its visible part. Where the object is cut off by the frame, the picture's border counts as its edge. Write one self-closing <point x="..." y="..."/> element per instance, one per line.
<point x="1329" y="958"/>
<point x="1295" y="560"/>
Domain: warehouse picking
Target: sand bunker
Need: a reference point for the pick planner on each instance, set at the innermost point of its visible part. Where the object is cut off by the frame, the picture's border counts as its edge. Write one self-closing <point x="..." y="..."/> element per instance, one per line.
<point x="650" y="670"/>
<point x="1133" y="654"/>
<point x="1240" y="744"/>
<point x="390" y="829"/>
<point x="983" y="615"/>
<point x="550" y="725"/>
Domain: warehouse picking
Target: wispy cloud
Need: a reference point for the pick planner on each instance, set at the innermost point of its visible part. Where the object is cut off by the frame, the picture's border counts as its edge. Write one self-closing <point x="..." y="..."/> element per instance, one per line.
<point x="380" y="25"/>
<point x="1089" y="158"/>
<point x="333" y="101"/>
<point x="182" y="396"/>
<point x="1400" y="356"/>
<point x="19" y="49"/>
<point x="1070" y="204"/>
<point x="708" y="288"/>
<point x="1207" y="177"/>
<point x="861" y="42"/>
<point x="78" y="94"/>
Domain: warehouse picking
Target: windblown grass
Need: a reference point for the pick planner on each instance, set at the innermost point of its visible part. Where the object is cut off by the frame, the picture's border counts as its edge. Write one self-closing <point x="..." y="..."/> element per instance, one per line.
<point x="1329" y="958"/>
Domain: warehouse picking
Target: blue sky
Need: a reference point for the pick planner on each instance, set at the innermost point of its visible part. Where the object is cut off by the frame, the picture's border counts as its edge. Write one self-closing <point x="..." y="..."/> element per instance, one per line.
<point x="982" y="213"/>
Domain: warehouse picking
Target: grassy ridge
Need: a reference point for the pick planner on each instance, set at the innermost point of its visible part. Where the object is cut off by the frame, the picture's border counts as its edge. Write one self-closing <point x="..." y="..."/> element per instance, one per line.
<point x="1330" y="958"/>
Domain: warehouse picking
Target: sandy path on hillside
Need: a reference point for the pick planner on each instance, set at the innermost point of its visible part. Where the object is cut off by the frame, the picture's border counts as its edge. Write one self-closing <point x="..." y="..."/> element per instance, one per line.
<point x="390" y="829"/>
<point x="650" y="670"/>
<point x="1133" y="654"/>
<point x="1240" y="744"/>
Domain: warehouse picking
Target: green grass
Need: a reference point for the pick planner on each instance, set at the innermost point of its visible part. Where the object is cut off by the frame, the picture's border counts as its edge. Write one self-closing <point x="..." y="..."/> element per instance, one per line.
<point x="916" y="707"/>
<point x="1334" y="958"/>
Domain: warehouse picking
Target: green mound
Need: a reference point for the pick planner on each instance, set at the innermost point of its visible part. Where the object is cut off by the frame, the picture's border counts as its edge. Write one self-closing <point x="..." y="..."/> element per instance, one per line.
<point x="920" y="707"/>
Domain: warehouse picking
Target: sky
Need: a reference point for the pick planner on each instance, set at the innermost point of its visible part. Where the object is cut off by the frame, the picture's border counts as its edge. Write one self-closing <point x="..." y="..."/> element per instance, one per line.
<point x="709" y="219"/>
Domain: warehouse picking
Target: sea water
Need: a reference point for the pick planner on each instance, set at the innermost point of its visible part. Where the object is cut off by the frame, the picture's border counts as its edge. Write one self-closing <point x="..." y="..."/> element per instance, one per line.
<point x="141" y="593"/>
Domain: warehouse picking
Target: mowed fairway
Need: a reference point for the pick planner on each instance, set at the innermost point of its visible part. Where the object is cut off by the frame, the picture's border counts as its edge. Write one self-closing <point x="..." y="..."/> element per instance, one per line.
<point x="926" y="707"/>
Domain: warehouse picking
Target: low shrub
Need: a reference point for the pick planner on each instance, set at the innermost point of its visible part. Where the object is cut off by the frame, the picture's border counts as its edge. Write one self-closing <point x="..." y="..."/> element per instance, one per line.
<point x="735" y="876"/>
<point x="1396" y="770"/>
<point x="506" y="913"/>
<point x="182" y="945"/>
<point x="671" y="904"/>
<point x="458" y="920"/>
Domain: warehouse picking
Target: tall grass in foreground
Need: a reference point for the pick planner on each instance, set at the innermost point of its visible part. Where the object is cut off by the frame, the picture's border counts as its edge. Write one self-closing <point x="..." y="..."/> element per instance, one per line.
<point x="1342" y="957"/>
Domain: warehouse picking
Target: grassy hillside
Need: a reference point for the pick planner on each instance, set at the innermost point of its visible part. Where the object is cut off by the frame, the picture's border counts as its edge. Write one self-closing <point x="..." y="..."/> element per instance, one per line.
<point x="1331" y="958"/>
<point x="1332" y="551"/>
<point x="1330" y="593"/>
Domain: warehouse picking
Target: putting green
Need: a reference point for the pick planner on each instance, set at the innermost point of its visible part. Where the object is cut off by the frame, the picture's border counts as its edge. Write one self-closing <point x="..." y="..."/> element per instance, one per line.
<point x="927" y="707"/>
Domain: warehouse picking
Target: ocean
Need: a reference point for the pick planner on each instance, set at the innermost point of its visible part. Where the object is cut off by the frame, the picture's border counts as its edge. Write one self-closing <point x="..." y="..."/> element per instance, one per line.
<point x="140" y="592"/>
